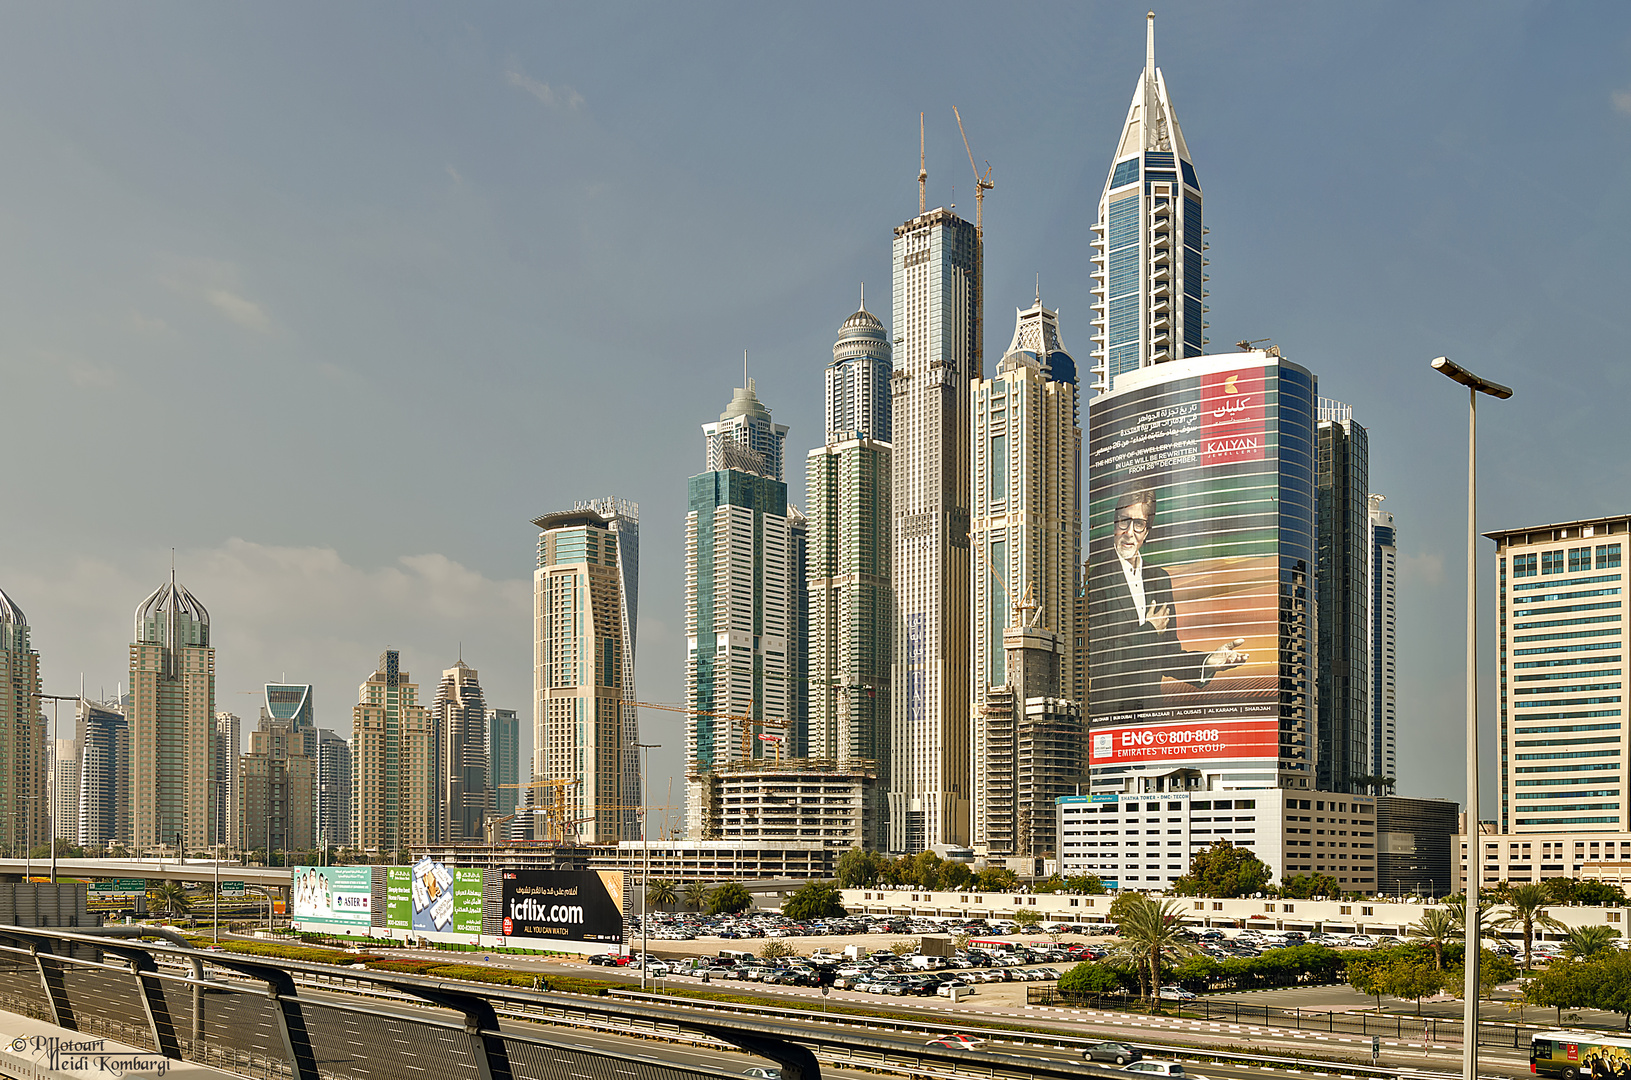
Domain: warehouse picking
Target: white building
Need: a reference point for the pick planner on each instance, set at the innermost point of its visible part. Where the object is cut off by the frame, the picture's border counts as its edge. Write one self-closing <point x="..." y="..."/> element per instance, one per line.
<point x="937" y="268"/>
<point x="1145" y="842"/>
<point x="1383" y="636"/>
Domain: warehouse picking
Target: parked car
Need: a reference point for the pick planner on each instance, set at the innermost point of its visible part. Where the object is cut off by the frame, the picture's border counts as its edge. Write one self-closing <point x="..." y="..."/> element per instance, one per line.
<point x="1156" y="1068"/>
<point x="1177" y="993"/>
<point x="1120" y="1053"/>
<point x="945" y="988"/>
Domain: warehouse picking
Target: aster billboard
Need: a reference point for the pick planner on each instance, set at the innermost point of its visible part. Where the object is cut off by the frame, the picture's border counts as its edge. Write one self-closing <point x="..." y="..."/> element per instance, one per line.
<point x="1200" y="509"/>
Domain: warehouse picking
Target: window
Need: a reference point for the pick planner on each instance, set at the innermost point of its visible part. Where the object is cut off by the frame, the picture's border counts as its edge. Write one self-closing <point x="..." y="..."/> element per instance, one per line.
<point x="1551" y="562"/>
<point x="1523" y="566"/>
<point x="1579" y="560"/>
<point x="1608" y="556"/>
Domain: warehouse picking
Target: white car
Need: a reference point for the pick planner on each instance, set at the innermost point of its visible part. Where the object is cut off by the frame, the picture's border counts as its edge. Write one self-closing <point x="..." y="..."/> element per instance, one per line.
<point x="1177" y="993"/>
<point x="1156" y="1068"/>
<point x="944" y="989"/>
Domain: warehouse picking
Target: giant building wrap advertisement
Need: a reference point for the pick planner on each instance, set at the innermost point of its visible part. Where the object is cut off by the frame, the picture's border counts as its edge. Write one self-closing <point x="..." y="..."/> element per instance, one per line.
<point x="1200" y="560"/>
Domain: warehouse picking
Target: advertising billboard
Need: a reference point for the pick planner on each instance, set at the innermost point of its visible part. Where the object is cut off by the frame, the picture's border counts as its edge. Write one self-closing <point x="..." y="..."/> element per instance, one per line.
<point x="1200" y="551"/>
<point x="1215" y="740"/>
<point x="336" y="898"/>
<point x="430" y="897"/>
<point x="565" y="905"/>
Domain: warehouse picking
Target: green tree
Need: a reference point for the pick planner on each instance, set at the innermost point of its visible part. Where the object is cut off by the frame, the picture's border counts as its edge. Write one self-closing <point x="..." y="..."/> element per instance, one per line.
<point x="775" y="949"/>
<point x="1493" y="970"/>
<point x="1049" y="885"/>
<point x="172" y="897"/>
<point x="696" y="895"/>
<point x="1365" y="975"/>
<point x="1566" y="984"/>
<point x="1089" y="978"/>
<point x="1457" y="906"/>
<point x="1026" y="917"/>
<point x="924" y="870"/>
<point x="1610" y="983"/>
<point x="996" y="879"/>
<point x="1124" y="903"/>
<point x="1085" y="885"/>
<point x="1598" y="894"/>
<point x="1528" y="910"/>
<point x="1436" y="929"/>
<point x="1224" y="871"/>
<point x="859" y="868"/>
<point x="1405" y="977"/>
<point x="661" y="893"/>
<point x="904" y="947"/>
<point x="955" y="875"/>
<point x="1585" y="942"/>
<point x="816" y="900"/>
<point x="1309" y="887"/>
<point x="1151" y="934"/>
<point x="728" y="899"/>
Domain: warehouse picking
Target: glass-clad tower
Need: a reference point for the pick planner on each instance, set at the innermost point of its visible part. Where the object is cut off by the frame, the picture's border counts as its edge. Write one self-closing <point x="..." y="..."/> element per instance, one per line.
<point x="623" y="518"/>
<point x="22" y="750"/>
<point x="1343" y="741"/>
<point x="1149" y="279"/>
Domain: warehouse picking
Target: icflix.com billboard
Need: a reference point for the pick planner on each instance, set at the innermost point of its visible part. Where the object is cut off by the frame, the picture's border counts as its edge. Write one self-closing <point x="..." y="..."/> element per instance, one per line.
<point x="564" y="905"/>
<point x="1200" y="533"/>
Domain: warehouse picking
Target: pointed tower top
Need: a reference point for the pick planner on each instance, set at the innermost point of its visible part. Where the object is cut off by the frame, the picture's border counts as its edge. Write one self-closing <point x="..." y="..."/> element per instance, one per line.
<point x="922" y="171"/>
<point x="1151" y="123"/>
<point x="863" y="296"/>
<point x="1149" y="45"/>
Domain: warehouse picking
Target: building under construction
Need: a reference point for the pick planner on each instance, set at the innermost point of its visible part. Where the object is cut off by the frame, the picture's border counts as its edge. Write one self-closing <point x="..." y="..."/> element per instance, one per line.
<point x="807" y="801"/>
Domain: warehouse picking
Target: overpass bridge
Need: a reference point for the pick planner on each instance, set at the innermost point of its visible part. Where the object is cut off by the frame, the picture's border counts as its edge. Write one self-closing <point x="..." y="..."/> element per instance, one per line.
<point x="200" y="870"/>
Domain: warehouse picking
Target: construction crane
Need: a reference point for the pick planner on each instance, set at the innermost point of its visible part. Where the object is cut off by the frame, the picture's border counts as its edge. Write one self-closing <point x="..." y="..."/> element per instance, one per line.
<point x="982" y="184"/>
<point x="554" y="810"/>
<point x="1028" y="603"/>
<point x="745" y="719"/>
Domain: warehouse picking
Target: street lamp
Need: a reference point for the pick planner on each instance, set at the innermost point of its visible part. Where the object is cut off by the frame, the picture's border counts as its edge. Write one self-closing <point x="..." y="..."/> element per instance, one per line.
<point x="645" y="845"/>
<point x="1469" y="1020"/>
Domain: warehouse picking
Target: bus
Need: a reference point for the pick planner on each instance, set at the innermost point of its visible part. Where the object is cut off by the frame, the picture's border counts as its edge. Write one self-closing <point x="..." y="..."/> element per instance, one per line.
<point x="1573" y="1055"/>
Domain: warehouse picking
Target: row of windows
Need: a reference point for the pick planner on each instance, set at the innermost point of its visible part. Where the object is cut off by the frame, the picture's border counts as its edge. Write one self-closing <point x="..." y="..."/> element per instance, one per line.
<point x="1607" y="556"/>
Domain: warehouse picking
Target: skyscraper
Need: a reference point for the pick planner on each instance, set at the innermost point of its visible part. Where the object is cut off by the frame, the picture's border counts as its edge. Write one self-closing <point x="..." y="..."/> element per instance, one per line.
<point x="1384" y="641"/>
<point x="504" y="757"/>
<point x="851" y="610"/>
<point x="276" y="790"/>
<point x="393" y="790"/>
<point x="172" y="722"/>
<point x="228" y="793"/>
<point x="623" y="519"/>
<point x="65" y="790"/>
<point x="22" y="734"/>
<point x="459" y="716"/>
<point x="1150" y="282"/>
<point x="104" y="775"/>
<point x="578" y="704"/>
<point x="1027" y="535"/>
<point x="741" y="598"/>
<point x="937" y="303"/>
<point x="1342" y="528"/>
<point x="333" y="790"/>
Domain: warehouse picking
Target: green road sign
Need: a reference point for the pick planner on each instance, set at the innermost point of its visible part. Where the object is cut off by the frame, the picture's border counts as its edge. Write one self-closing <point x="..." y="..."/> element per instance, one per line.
<point x="232" y="888"/>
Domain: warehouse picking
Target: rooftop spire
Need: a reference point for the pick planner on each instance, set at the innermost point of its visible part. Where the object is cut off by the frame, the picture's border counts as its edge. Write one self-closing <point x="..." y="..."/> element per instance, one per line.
<point x="1151" y="123"/>
<point x="922" y="171"/>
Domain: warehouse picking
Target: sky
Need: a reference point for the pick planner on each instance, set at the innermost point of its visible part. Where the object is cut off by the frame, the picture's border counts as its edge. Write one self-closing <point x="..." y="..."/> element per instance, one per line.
<point x="333" y="300"/>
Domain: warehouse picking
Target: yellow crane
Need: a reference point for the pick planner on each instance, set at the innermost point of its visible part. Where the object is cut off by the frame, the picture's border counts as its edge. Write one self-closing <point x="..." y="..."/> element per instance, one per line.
<point x="982" y="183"/>
<point x="745" y="719"/>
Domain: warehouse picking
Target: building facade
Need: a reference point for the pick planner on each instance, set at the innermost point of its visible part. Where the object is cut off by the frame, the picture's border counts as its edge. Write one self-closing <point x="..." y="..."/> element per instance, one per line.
<point x="172" y="723"/>
<point x="103" y="739"/>
<point x="1296" y="833"/>
<point x="1561" y="636"/>
<point x="1342" y="758"/>
<point x="393" y="744"/>
<point x="1149" y="264"/>
<point x="463" y="766"/>
<point x="1384" y="645"/>
<point x="333" y="794"/>
<point x="1414" y="838"/>
<point x="742" y="596"/>
<point x="277" y="791"/>
<point x="504" y="759"/>
<point x="65" y="790"/>
<point x="848" y="581"/>
<point x="22" y="735"/>
<point x="578" y="704"/>
<point x="623" y="519"/>
<point x="937" y="263"/>
<point x="768" y="802"/>
<point x="228" y="791"/>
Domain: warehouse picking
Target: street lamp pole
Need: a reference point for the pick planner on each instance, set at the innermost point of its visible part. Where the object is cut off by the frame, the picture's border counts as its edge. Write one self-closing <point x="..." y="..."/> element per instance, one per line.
<point x="1474" y="941"/>
<point x="645" y="846"/>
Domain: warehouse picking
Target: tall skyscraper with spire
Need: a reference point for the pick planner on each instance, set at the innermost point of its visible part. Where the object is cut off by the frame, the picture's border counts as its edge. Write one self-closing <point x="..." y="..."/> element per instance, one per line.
<point x="848" y="583"/>
<point x="22" y="735"/>
<point x="464" y="776"/>
<point x="623" y="518"/>
<point x="937" y="273"/>
<point x="1149" y="289"/>
<point x="742" y="596"/>
<point x="172" y="722"/>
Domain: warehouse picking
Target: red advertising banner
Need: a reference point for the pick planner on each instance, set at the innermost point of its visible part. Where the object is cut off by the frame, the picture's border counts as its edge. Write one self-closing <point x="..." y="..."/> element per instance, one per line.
<point x="1232" y="416"/>
<point x="1214" y="740"/>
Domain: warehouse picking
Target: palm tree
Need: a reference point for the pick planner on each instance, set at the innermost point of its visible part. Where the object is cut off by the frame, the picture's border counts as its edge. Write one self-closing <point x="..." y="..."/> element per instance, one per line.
<point x="1528" y="904"/>
<point x="696" y="894"/>
<point x="1150" y="934"/>
<point x="172" y="897"/>
<point x="661" y="892"/>
<point x="1584" y="942"/>
<point x="1436" y="929"/>
<point x="1457" y="906"/>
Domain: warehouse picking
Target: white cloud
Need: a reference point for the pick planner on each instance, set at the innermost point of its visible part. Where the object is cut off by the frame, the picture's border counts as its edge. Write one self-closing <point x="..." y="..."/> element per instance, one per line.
<point x="246" y="313"/>
<point x="138" y="323"/>
<point x="1622" y="101"/>
<point x="564" y="98"/>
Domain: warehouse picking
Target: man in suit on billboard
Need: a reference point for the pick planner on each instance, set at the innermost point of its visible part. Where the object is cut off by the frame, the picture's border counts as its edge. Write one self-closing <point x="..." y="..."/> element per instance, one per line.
<point x="1134" y="626"/>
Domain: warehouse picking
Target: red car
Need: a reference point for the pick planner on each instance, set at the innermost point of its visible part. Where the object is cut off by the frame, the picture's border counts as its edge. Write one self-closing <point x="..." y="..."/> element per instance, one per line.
<point x="609" y="959"/>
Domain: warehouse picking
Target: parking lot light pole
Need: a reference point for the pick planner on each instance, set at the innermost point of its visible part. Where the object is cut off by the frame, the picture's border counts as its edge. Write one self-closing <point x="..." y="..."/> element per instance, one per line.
<point x="645" y="846"/>
<point x="1469" y="1022"/>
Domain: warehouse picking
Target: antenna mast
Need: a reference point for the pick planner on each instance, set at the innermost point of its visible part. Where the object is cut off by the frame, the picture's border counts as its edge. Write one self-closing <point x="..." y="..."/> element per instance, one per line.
<point x="922" y="171"/>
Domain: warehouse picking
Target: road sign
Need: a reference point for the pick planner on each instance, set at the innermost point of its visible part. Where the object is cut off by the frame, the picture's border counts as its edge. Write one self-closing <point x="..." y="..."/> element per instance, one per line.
<point x="232" y="888"/>
<point x="119" y="885"/>
<point x="1375" y="1048"/>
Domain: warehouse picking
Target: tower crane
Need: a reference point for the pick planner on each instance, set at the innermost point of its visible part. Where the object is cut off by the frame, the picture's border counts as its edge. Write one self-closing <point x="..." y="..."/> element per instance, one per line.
<point x="745" y="719"/>
<point x="982" y="182"/>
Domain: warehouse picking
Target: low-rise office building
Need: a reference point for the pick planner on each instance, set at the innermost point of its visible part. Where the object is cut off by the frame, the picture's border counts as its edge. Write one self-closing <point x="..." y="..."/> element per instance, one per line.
<point x="1523" y="858"/>
<point x="1413" y="846"/>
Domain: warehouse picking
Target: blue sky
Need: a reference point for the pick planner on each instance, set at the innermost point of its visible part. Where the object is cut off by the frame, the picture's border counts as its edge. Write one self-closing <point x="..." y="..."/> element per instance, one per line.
<point x="333" y="300"/>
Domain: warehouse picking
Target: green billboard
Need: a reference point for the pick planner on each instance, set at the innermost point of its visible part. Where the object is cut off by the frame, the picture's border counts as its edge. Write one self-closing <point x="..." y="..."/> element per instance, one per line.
<point x="338" y="898"/>
<point x="430" y="897"/>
